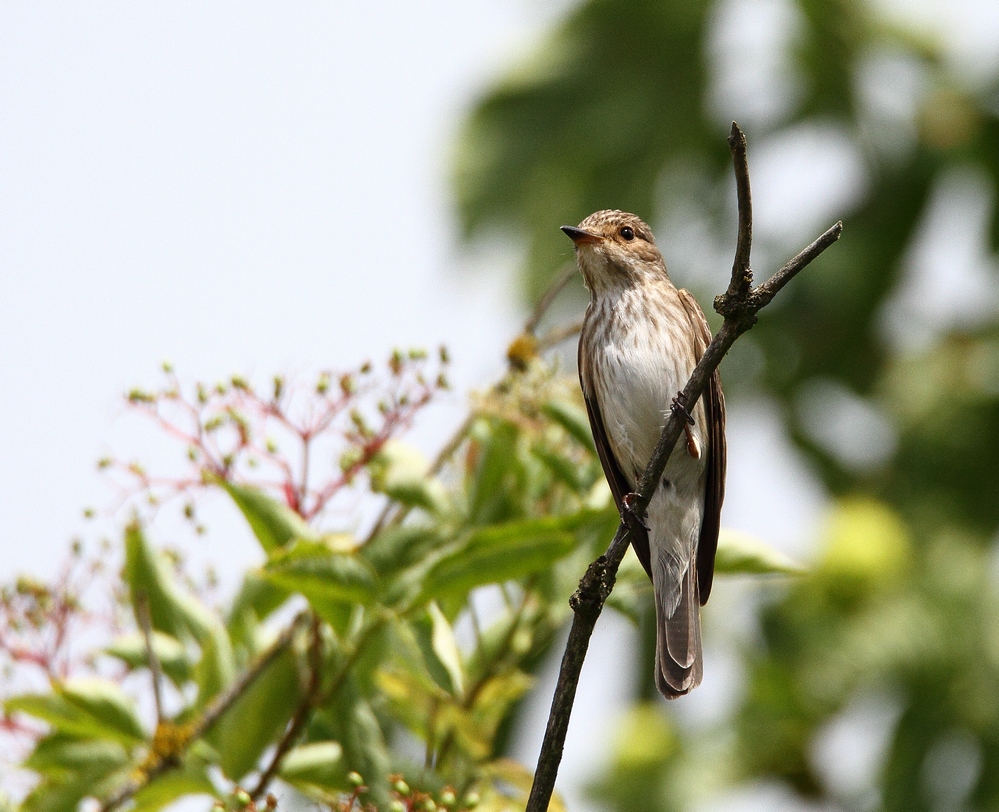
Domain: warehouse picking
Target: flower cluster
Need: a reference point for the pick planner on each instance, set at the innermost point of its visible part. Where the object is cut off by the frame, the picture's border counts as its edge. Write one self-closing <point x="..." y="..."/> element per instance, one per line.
<point x="302" y="440"/>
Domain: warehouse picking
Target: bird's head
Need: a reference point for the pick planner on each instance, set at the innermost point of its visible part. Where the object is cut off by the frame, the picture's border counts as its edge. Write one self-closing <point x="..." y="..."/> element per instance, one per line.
<point x="614" y="248"/>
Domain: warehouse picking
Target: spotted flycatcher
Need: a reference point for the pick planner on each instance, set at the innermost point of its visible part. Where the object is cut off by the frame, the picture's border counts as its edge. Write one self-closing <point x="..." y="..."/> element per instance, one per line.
<point x="641" y="339"/>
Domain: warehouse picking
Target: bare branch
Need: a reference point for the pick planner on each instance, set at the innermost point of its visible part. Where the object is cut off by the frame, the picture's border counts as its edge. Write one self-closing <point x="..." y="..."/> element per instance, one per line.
<point x="302" y="713"/>
<point x="739" y="306"/>
<point x="554" y="289"/>
<point x="742" y="273"/>
<point x="557" y="335"/>
<point x="766" y="292"/>
<point x="145" y="623"/>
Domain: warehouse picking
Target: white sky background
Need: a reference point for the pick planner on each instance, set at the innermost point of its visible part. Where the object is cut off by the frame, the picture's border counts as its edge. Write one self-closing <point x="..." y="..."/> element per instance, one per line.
<point x="263" y="188"/>
<point x="256" y="189"/>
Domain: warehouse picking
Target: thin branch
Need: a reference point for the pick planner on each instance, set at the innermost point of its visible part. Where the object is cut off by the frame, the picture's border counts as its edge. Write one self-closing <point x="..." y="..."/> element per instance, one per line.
<point x="739" y="306"/>
<point x="302" y="713"/>
<point x="146" y="624"/>
<point x="548" y="297"/>
<point x="742" y="273"/>
<point x="765" y="293"/>
<point x="557" y="335"/>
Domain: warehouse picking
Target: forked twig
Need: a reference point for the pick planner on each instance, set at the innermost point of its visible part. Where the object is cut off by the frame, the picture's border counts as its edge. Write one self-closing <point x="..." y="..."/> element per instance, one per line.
<point x="739" y="306"/>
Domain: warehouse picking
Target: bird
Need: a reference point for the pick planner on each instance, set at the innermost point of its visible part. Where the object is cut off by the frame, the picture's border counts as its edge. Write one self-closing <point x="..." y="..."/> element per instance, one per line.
<point x="641" y="339"/>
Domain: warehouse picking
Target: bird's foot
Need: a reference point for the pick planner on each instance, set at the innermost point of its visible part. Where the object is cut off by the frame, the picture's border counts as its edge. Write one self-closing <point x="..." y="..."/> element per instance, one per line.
<point x="629" y="513"/>
<point x="679" y="407"/>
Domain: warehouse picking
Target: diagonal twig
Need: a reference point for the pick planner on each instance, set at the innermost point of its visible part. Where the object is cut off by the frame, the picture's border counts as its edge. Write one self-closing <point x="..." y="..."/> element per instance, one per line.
<point x="146" y="624"/>
<point x="302" y="714"/>
<point x="739" y="306"/>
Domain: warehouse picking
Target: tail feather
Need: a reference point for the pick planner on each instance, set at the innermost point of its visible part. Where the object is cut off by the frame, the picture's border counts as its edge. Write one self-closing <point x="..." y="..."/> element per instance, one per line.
<point x="679" y="665"/>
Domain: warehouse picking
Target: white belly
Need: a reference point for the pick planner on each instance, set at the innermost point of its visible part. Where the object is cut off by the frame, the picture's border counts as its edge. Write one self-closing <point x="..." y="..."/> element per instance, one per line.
<point x="636" y="384"/>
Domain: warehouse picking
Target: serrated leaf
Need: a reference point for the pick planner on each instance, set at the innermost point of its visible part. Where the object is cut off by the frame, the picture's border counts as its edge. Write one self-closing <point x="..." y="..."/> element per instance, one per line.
<point x="496" y="473"/>
<point x="632" y="590"/>
<point x="65" y="793"/>
<point x="475" y="728"/>
<point x="216" y="669"/>
<point x="563" y="469"/>
<point x="274" y="524"/>
<point x="350" y="720"/>
<point x="514" y="775"/>
<point x="148" y="576"/>
<point x="414" y="651"/>
<point x="742" y="554"/>
<point x="500" y="553"/>
<point x="395" y="548"/>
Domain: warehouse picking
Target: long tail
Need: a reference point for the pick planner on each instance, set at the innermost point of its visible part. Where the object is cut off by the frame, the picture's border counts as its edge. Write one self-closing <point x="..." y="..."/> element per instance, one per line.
<point x="679" y="665"/>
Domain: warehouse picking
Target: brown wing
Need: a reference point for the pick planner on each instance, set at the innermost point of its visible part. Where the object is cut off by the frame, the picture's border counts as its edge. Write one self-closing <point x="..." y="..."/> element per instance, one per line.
<point x="714" y="492"/>
<point x="619" y="484"/>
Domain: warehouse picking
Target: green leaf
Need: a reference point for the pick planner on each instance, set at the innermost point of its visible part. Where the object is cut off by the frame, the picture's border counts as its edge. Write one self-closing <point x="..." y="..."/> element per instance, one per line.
<point x="446" y="648"/>
<point x="573" y="419"/>
<point x="172" y="610"/>
<point x="742" y="554"/>
<point x="191" y="779"/>
<point x="497" y="477"/>
<point x="632" y="590"/>
<point x="216" y="669"/>
<point x="85" y="708"/>
<point x="500" y="553"/>
<point x="256" y="600"/>
<point x="322" y="575"/>
<point x="106" y="703"/>
<point x="273" y="523"/>
<point x="58" y="754"/>
<point x="396" y="548"/>
<point x="257" y="718"/>
<point x="317" y="769"/>
<point x="148" y="576"/>
<point x="64" y="794"/>
<point x="425" y="646"/>
<point x="350" y="720"/>
<point x="400" y="471"/>
<point x="563" y="469"/>
<point x="172" y="656"/>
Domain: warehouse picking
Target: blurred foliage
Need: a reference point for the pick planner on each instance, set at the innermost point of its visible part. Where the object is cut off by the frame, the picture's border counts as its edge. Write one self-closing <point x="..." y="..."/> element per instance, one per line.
<point x="342" y="655"/>
<point x="893" y="398"/>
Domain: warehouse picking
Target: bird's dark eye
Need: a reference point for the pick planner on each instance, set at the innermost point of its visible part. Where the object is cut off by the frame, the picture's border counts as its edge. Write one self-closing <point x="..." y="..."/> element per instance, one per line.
<point x="627" y="233"/>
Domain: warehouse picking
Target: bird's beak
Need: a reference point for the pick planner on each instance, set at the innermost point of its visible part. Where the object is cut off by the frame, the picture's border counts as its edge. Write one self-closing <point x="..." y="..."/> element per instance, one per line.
<point x="580" y="237"/>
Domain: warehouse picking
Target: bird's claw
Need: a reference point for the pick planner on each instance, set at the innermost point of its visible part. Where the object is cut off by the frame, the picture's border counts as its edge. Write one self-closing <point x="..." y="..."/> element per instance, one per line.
<point x="679" y="407"/>
<point x="629" y="512"/>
